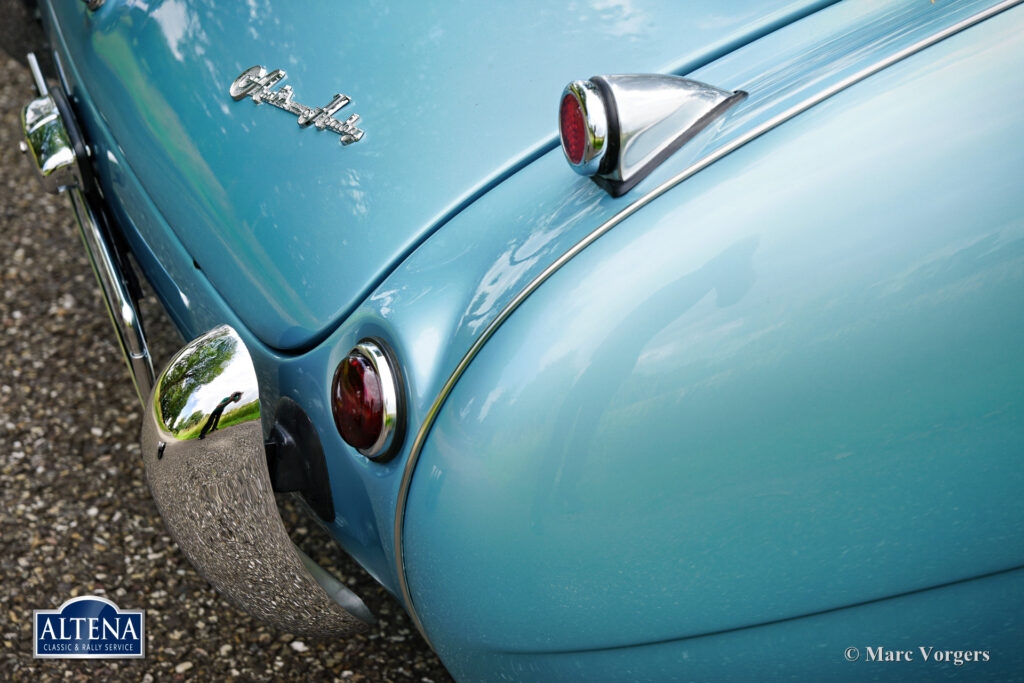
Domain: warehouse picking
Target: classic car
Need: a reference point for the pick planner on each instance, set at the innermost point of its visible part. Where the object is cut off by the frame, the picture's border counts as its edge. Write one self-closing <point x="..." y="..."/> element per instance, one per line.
<point x="626" y="340"/>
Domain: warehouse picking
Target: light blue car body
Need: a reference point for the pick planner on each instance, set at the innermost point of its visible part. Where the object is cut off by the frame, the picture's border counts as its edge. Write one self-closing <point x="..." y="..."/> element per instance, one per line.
<point x="775" y="413"/>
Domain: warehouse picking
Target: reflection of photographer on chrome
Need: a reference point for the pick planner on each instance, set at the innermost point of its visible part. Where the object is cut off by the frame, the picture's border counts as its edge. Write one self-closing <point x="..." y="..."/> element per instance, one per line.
<point x="211" y="422"/>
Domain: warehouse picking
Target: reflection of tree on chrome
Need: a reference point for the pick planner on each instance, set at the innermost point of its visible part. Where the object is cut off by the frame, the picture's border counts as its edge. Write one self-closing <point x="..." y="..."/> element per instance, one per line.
<point x="211" y="423"/>
<point x="189" y="373"/>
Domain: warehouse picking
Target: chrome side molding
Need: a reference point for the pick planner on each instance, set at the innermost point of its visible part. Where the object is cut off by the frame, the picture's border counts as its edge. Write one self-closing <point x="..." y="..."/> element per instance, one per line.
<point x="53" y="146"/>
<point x="203" y="451"/>
<point x="633" y="122"/>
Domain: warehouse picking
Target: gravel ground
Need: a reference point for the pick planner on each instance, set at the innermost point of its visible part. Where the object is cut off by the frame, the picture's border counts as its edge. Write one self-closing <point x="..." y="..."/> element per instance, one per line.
<point x="77" y="518"/>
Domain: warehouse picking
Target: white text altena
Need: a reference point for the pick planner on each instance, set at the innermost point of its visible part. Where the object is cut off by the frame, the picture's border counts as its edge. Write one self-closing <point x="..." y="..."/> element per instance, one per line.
<point x="91" y="628"/>
<point x="925" y="654"/>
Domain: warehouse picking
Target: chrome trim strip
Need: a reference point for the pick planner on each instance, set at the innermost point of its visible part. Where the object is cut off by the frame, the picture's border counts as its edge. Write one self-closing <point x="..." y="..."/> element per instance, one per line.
<point x="693" y="169"/>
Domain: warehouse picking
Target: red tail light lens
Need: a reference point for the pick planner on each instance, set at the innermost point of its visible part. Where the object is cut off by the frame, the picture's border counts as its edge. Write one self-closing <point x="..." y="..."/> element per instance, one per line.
<point x="358" y="408"/>
<point x="364" y="400"/>
<point x="583" y="126"/>
<point x="573" y="129"/>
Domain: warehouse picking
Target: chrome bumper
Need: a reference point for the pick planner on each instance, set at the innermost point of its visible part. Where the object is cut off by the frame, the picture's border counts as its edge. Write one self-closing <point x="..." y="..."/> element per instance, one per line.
<point x="51" y="138"/>
<point x="203" y="450"/>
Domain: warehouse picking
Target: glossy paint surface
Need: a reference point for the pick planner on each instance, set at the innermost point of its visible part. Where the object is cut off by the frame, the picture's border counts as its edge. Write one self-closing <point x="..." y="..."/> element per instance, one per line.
<point x="292" y="229"/>
<point x="439" y="299"/>
<point x="726" y="413"/>
<point x="983" y="614"/>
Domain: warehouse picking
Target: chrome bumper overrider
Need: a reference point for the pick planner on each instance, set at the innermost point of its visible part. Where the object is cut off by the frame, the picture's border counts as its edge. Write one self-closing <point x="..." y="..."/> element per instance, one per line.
<point x="50" y="140"/>
<point x="202" y="434"/>
<point x="203" y="449"/>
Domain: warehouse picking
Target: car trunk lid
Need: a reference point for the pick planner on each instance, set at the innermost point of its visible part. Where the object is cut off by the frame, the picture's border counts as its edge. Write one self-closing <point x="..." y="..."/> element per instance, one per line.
<point x="293" y="228"/>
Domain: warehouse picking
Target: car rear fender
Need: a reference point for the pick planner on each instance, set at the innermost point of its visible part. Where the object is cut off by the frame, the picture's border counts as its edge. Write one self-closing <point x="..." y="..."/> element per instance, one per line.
<point x="790" y="384"/>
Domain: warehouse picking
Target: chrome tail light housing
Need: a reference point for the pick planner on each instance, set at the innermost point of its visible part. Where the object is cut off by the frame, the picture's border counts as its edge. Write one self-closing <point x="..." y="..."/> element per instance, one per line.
<point x="617" y="129"/>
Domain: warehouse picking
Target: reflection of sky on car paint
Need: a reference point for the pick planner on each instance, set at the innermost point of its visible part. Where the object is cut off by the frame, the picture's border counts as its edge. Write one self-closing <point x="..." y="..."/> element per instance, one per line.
<point x="236" y="377"/>
<point x="620" y="18"/>
<point x="173" y="20"/>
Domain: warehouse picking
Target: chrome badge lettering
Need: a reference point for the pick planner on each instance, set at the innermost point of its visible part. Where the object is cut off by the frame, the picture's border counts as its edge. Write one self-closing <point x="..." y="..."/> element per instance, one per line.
<point x="256" y="83"/>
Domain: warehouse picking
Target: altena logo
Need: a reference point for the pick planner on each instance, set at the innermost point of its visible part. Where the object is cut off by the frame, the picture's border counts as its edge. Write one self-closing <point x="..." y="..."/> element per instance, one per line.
<point x="89" y="627"/>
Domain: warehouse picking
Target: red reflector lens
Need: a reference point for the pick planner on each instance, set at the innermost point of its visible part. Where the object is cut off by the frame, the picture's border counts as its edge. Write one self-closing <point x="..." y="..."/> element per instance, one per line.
<point x="357" y="402"/>
<point x="573" y="128"/>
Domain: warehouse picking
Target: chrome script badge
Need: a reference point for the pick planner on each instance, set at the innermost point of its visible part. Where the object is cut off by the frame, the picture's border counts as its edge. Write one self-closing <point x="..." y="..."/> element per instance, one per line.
<point x="256" y="83"/>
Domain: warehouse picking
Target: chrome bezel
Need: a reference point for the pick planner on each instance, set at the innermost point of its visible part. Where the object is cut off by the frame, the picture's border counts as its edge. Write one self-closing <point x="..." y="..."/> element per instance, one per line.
<point x="595" y="116"/>
<point x="373" y="352"/>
